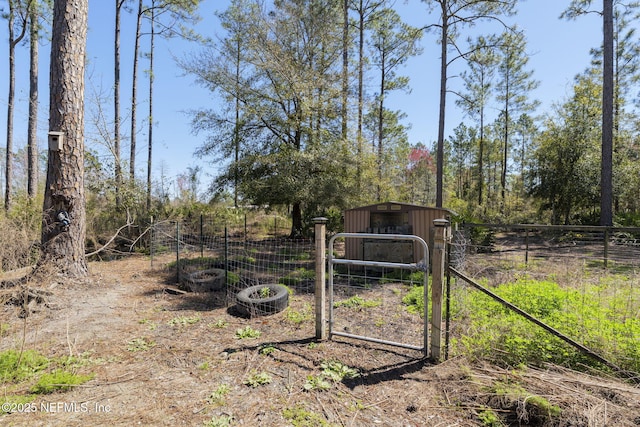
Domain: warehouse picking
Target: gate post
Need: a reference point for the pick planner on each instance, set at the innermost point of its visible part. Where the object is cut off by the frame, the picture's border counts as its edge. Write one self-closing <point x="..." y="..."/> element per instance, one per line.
<point x="437" y="280"/>
<point x="320" y="288"/>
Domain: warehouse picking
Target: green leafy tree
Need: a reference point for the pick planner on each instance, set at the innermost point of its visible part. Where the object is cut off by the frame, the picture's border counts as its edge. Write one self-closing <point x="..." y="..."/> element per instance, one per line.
<point x="566" y="172"/>
<point x="289" y="94"/>
<point x="224" y="67"/>
<point x="575" y="9"/>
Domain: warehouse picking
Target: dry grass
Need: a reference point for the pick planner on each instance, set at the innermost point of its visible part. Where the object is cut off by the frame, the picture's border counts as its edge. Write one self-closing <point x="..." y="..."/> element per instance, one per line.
<point x="153" y="368"/>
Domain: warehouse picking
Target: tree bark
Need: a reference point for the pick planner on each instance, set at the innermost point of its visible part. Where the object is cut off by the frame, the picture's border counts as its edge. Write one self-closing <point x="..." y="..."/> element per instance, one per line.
<point x="63" y="226"/>
<point x="13" y="42"/>
<point x="134" y="97"/>
<point x="443" y="101"/>
<point x="116" y="104"/>
<point x="606" y="178"/>
<point x="32" y="132"/>
<point x="150" y="147"/>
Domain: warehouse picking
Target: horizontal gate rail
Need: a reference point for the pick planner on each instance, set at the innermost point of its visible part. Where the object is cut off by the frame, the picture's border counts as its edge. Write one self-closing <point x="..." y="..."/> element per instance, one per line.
<point x="422" y="265"/>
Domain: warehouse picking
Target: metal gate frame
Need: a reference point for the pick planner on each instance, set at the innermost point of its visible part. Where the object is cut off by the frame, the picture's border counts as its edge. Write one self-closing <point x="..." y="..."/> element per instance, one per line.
<point x="422" y="265"/>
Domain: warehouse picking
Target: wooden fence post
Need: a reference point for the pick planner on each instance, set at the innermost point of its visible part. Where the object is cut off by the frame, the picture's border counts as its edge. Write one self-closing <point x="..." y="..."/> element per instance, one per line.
<point x="437" y="280"/>
<point x="320" y="291"/>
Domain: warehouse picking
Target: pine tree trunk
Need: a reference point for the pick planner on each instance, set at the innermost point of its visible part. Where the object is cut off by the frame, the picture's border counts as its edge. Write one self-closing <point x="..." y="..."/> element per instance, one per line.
<point x="63" y="227"/>
<point x="134" y="98"/>
<point x="606" y="180"/>
<point x="32" y="137"/>
<point x="442" y="109"/>
<point x="116" y="105"/>
<point x="150" y="136"/>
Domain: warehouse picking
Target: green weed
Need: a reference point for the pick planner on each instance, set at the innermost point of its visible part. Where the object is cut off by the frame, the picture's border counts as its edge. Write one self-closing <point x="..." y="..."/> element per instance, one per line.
<point x="267" y="349"/>
<point x="414" y="300"/>
<point x="183" y="321"/>
<point x="247" y="332"/>
<point x="337" y="371"/>
<point x="219" y="421"/>
<point x="59" y="380"/>
<point x="299" y="317"/>
<point x="256" y="379"/>
<point x="140" y="344"/>
<point x="220" y="324"/>
<point x="18" y="366"/>
<point x="301" y="417"/>
<point x="217" y="397"/>
<point x="596" y="315"/>
<point x="357" y="302"/>
<point x="489" y="418"/>
<point x="317" y="382"/>
<point x="297" y="277"/>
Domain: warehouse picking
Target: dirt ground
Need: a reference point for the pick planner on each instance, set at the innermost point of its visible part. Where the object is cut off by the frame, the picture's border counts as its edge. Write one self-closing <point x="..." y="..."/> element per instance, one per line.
<point x="161" y="358"/>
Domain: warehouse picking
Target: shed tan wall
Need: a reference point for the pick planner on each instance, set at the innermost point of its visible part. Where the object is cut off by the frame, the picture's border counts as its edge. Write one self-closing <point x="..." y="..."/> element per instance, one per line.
<point x="355" y="221"/>
<point x="421" y="221"/>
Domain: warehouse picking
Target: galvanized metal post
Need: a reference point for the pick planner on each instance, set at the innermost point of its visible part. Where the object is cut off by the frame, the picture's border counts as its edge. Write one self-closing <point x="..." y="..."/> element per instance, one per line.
<point x="201" y="236"/>
<point x="152" y="239"/>
<point x="177" y="251"/>
<point x="437" y="280"/>
<point x="320" y="291"/>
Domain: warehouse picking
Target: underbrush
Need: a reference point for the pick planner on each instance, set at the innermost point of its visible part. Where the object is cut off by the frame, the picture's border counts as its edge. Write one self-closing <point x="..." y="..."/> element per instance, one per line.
<point x="602" y="317"/>
<point x="20" y="236"/>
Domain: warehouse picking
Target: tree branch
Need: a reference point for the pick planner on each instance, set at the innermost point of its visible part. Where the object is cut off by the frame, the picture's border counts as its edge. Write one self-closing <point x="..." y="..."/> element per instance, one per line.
<point x="128" y="224"/>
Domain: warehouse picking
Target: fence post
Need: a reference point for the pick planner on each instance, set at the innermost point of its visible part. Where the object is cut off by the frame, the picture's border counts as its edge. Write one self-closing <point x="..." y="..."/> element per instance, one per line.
<point x="320" y="291"/>
<point x="526" y="252"/>
<point x="201" y="236"/>
<point x="178" y="251"/>
<point x="606" y="247"/>
<point x="437" y="279"/>
<point x="152" y="240"/>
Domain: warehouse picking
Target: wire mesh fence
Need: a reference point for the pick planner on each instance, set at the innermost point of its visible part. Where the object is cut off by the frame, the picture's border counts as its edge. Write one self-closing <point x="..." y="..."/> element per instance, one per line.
<point x="207" y="257"/>
<point x="616" y="248"/>
<point x="582" y="281"/>
<point x="382" y="304"/>
<point x="574" y="280"/>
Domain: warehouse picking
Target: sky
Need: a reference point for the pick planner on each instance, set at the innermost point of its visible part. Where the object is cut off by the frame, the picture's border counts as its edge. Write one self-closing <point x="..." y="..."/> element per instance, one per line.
<point x="558" y="51"/>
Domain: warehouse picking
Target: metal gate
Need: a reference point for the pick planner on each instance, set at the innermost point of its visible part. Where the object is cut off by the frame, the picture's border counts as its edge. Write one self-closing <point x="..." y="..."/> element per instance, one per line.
<point x="422" y="265"/>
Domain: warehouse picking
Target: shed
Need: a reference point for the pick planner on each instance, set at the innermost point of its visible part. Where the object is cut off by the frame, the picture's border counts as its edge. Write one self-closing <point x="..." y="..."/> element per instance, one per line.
<point x="390" y="218"/>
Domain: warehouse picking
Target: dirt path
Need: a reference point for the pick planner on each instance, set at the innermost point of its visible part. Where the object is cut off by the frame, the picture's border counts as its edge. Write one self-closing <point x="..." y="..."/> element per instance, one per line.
<point x="163" y="359"/>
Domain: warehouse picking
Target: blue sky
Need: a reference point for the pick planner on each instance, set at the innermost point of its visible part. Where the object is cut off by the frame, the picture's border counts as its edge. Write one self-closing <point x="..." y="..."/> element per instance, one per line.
<point x="558" y="51"/>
